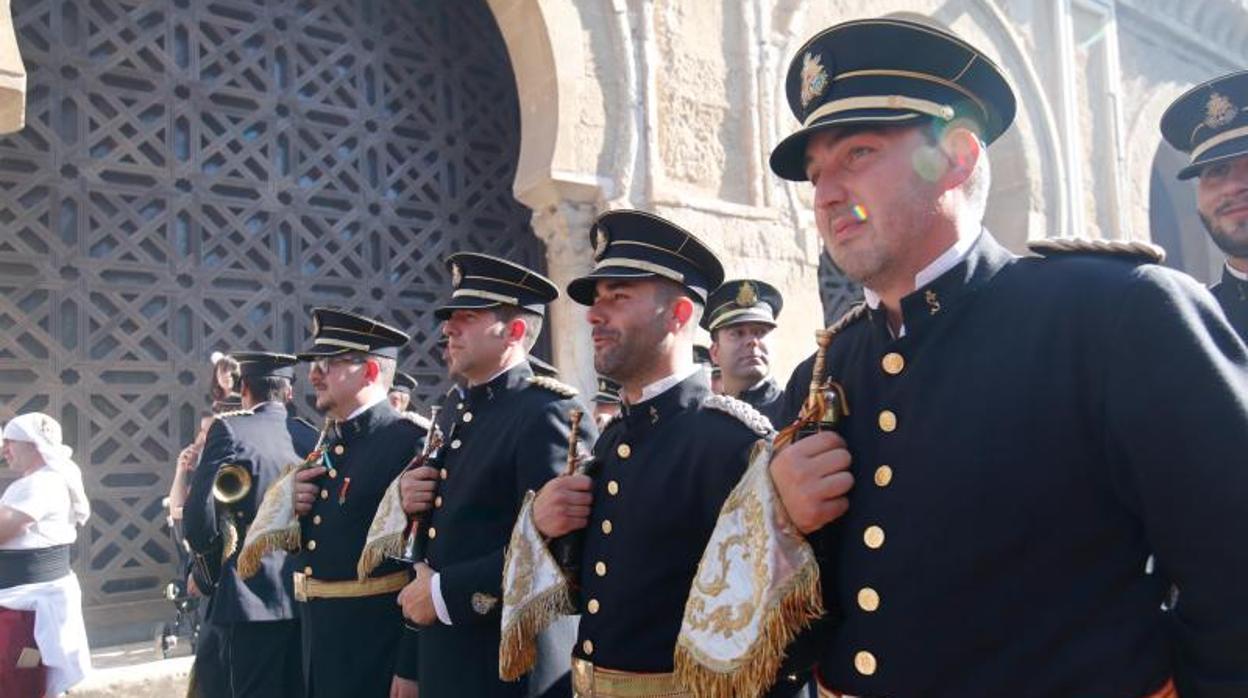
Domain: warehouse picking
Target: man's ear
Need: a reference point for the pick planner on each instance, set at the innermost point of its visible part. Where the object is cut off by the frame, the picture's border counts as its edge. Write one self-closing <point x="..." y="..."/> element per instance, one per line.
<point x="516" y="329"/>
<point x="963" y="149"/>
<point x="372" y="370"/>
<point x="682" y="311"/>
<point x="715" y="351"/>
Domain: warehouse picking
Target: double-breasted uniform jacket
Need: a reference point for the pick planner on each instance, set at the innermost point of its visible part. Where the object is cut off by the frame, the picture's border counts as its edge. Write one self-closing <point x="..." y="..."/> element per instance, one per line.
<point x="767" y="398"/>
<point x="503" y="438"/>
<point x="1232" y="295"/>
<point x="350" y="644"/>
<point x="1040" y="430"/>
<point x="666" y="465"/>
<point x="259" y="442"/>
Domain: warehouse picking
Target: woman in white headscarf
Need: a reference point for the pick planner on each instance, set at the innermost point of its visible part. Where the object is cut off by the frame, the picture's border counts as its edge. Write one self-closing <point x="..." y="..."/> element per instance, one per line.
<point x="40" y="600"/>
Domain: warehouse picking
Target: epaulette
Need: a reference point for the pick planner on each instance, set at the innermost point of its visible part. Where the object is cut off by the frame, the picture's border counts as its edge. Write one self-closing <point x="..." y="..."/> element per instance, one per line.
<point x="743" y="411"/>
<point x="1145" y="252"/>
<point x="554" y="386"/>
<point x="232" y="413"/>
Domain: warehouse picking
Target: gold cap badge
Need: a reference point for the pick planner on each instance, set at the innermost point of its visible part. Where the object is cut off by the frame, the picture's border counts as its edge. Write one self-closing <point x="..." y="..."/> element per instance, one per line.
<point x="814" y="78"/>
<point x="457" y="275"/>
<point x="601" y="240"/>
<point x="747" y="295"/>
<point x="1219" y="111"/>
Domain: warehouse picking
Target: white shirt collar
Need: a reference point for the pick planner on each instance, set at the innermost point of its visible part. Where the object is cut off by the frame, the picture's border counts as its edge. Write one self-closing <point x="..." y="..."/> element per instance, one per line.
<point x="501" y="371"/>
<point x="258" y="405"/>
<point x="947" y="260"/>
<point x="364" y="408"/>
<point x="1236" y="273"/>
<point x="662" y="385"/>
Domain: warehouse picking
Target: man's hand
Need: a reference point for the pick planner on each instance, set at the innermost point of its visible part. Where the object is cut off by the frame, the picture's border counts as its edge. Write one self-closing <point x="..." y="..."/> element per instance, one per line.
<point x="812" y="478"/>
<point x="404" y="688"/>
<point x="192" y="589"/>
<point x="188" y="457"/>
<point x="417" y="597"/>
<point x="416" y="488"/>
<point x="563" y="505"/>
<point x="306" y="491"/>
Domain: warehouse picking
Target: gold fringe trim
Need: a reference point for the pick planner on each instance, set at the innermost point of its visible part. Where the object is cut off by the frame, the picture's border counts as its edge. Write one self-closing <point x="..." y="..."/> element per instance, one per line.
<point x="800" y="604"/>
<point x="517" y="652"/>
<point x="287" y="538"/>
<point x="378" y="551"/>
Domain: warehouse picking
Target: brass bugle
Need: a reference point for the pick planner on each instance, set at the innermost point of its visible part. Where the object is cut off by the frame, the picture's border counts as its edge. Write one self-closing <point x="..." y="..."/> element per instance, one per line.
<point x="232" y="483"/>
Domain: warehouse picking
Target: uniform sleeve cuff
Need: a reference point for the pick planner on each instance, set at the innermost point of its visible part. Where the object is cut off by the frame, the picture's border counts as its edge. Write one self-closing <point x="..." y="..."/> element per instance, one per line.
<point x="439" y="605"/>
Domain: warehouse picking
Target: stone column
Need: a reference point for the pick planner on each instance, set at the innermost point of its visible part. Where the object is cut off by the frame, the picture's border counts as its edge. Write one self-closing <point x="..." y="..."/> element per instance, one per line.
<point x="564" y="227"/>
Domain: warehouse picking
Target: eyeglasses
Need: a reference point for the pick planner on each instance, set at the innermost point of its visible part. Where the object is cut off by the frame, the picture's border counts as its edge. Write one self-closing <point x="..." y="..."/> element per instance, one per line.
<point x="324" y="363"/>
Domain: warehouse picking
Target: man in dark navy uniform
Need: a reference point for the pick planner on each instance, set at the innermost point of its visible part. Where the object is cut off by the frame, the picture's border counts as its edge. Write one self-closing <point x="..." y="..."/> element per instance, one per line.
<point x="664" y="466"/>
<point x="1210" y="123"/>
<point x="606" y="401"/>
<point x="1023" y="432"/>
<point x="740" y="316"/>
<point x="351" y="627"/>
<point x="254" y="447"/>
<point x="400" y="397"/>
<point x="509" y="435"/>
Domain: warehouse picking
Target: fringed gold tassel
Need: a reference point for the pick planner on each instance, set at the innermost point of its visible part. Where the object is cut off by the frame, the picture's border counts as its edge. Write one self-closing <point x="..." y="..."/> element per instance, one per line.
<point x="378" y="551"/>
<point x="288" y="538"/>
<point x="230" y="545"/>
<point x="518" y="648"/>
<point x="800" y="603"/>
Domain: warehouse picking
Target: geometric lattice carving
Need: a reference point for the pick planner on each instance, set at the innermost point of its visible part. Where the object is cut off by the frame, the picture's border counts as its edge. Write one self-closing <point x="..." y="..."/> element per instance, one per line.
<point x="836" y="290"/>
<point x="196" y="176"/>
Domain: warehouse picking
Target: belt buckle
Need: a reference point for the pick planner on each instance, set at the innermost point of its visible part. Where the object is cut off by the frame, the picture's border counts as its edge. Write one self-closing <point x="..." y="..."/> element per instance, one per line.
<point x="301" y="586"/>
<point x="582" y="678"/>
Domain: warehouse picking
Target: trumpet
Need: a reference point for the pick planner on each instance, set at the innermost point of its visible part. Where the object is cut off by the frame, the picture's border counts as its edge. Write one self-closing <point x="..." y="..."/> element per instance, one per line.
<point x="232" y="484"/>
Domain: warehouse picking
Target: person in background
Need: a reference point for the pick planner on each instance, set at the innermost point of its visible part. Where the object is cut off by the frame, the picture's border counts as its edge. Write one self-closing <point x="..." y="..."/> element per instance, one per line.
<point x="43" y="641"/>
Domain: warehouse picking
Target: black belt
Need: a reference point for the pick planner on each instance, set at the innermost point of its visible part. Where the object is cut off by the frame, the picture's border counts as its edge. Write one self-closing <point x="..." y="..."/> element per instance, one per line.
<point x="19" y="567"/>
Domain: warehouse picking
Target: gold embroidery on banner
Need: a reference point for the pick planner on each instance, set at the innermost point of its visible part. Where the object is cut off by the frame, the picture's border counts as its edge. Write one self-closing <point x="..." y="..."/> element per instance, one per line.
<point x="522" y="584"/>
<point x="749" y="547"/>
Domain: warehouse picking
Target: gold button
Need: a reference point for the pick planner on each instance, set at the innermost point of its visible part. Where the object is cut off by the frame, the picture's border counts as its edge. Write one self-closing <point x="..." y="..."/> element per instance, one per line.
<point x="613" y="487"/>
<point x="600" y="569"/>
<point x="339" y="450"/>
<point x="893" y="363"/>
<point x="883" y="475"/>
<point x="433" y="533"/>
<point x="865" y="663"/>
<point x="606" y="526"/>
<point x="467" y="416"/>
<point x="311" y="545"/>
<point x="324" y="494"/>
<point x="592" y="606"/>
<point x="316" y="520"/>
<point x="307" y="571"/>
<point x="873" y="537"/>
<point x="437" y="501"/>
<point x="443" y="474"/>
<point x="456" y="443"/>
<point x="624" y="450"/>
<point x="333" y="473"/>
<point x="888" y="421"/>
<point x="868" y="599"/>
<point x="587" y="647"/>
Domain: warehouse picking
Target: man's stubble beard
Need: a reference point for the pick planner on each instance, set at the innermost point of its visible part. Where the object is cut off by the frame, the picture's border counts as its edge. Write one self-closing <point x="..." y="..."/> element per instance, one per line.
<point x="1233" y="243"/>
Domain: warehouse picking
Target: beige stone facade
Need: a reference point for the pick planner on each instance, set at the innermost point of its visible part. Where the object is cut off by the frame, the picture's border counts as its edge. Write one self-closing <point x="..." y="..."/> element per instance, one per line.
<point x="673" y="106"/>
